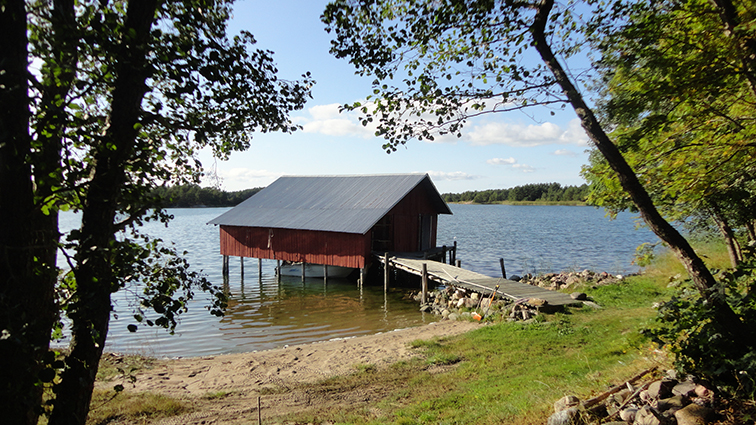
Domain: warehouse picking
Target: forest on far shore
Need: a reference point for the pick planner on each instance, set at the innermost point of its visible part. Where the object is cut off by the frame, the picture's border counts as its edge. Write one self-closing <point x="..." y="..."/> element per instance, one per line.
<point x="188" y="196"/>
<point x="538" y="192"/>
<point x="192" y="195"/>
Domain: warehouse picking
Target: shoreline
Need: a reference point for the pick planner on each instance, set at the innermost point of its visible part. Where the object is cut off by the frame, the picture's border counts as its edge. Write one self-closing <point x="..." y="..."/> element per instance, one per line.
<point x="256" y="371"/>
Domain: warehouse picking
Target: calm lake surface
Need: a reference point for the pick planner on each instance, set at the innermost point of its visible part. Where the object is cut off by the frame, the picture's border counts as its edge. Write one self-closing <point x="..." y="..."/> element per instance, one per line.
<point x="264" y="314"/>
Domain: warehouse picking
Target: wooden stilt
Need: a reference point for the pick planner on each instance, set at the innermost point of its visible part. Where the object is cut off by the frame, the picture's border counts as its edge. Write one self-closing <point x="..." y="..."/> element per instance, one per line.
<point x="443" y="253"/>
<point x="278" y="270"/>
<point x="325" y="273"/>
<point x="304" y="265"/>
<point x="259" y="268"/>
<point x="458" y="263"/>
<point x="503" y="270"/>
<point x="363" y="274"/>
<point x="455" y="254"/>
<point x="386" y="271"/>
<point x="424" y="275"/>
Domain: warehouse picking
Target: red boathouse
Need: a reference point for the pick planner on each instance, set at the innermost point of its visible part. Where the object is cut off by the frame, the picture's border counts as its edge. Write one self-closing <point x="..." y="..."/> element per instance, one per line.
<point x="334" y="220"/>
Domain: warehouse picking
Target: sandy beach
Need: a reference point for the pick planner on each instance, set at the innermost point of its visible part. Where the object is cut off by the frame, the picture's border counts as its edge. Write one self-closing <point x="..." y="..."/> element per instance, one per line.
<point x="224" y="389"/>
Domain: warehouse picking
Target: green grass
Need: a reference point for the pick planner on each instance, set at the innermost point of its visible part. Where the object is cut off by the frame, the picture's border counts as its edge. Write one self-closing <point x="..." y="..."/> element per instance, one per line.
<point x="513" y="372"/>
<point x="109" y="406"/>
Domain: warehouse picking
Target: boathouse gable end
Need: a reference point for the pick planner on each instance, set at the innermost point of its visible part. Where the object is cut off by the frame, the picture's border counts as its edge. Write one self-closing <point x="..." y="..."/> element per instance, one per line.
<point x="334" y="220"/>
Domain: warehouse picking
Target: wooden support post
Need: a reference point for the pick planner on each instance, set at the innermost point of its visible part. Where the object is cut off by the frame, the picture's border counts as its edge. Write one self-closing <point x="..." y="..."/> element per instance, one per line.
<point x="241" y="267"/>
<point x="443" y="253"/>
<point x="455" y="254"/>
<point x="304" y="265"/>
<point x="259" y="268"/>
<point x="503" y="270"/>
<point x="386" y="272"/>
<point x="278" y="270"/>
<point x="325" y="273"/>
<point x="458" y="263"/>
<point x="225" y="267"/>
<point x="363" y="273"/>
<point x="424" y="295"/>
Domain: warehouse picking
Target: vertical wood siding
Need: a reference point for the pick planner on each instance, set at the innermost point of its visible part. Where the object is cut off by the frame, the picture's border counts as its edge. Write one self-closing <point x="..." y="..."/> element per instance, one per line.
<point x="335" y="249"/>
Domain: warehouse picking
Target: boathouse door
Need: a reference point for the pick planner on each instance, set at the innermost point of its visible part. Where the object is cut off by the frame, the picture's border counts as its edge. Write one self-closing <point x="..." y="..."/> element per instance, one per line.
<point x="426" y="231"/>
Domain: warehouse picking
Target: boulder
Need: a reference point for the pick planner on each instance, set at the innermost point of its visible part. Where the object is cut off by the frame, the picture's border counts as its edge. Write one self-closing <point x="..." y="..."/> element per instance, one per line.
<point x="661" y="389"/>
<point x="685" y="388"/>
<point x="569" y="416"/>
<point x="670" y="405"/>
<point x="515" y="278"/>
<point x="426" y="308"/>
<point x="693" y="414"/>
<point x="537" y="302"/>
<point x="580" y="296"/>
<point x="628" y="414"/>
<point x="566" y="402"/>
<point x="453" y="316"/>
<point x="645" y="416"/>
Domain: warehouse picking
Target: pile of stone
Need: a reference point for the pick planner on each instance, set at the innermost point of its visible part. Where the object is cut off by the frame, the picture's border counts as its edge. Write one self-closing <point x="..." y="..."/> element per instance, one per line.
<point x="666" y="401"/>
<point x="556" y="281"/>
<point x="454" y="303"/>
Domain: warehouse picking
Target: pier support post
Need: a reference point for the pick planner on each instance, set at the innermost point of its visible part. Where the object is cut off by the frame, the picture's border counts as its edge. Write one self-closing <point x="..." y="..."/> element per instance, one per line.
<point x="224" y="269"/>
<point x="386" y="272"/>
<point x="443" y="253"/>
<point x="503" y="270"/>
<point x="259" y="269"/>
<point x="241" y="267"/>
<point x="304" y="265"/>
<point x="452" y="261"/>
<point x="278" y="270"/>
<point x="363" y="274"/>
<point x="325" y="273"/>
<point x="458" y="263"/>
<point x="424" y="294"/>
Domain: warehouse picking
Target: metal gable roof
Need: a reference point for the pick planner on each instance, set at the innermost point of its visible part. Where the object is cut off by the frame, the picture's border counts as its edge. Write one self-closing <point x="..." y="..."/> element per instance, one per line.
<point x="348" y="204"/>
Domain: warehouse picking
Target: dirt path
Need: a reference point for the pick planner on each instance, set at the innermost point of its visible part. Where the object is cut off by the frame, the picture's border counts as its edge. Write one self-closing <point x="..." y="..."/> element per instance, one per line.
<point x="225" y="389"/>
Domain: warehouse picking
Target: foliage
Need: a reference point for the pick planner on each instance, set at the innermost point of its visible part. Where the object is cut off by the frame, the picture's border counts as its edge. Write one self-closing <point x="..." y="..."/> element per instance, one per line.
<point x="192" y="195"/>
<point x="688" y="326"/>
<point x="528" y="192"/>
<point x="103" y="102"/>
<point x="682" y="113"/>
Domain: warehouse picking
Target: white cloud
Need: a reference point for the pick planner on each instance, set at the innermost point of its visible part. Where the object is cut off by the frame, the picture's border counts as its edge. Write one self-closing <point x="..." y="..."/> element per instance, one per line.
<point x="453" y="175"/>
<point x="524" y="168"/>
<point x="519" y="135"/>
<point x="564" y="152"/>
<point x="501" y="161"/>
<point x="245" y="178"/>
<point x="328" y="120"/>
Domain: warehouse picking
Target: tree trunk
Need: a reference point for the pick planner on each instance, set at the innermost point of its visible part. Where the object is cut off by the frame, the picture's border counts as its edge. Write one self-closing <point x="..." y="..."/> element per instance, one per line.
<point x="26" y="277"/>
<point x="699" y="273"/>
<point x="90" y="311"/>
<point x="733" y="247"/>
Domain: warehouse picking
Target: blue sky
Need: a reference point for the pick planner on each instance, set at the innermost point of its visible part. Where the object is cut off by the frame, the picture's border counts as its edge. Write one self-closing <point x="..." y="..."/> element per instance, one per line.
<point x="498" y="151"/>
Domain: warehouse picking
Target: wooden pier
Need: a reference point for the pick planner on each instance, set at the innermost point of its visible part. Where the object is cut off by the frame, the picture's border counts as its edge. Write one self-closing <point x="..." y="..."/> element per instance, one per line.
<point x="447" y="274"/>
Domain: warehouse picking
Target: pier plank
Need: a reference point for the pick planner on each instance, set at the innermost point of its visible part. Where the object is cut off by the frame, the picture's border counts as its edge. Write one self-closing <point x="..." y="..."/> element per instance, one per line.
<point x="448" y="274"/>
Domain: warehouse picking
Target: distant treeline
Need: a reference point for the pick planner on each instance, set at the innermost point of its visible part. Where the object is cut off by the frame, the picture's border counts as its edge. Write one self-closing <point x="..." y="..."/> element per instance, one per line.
<point x="548" y="192"/>
<point x="194" y="196"/>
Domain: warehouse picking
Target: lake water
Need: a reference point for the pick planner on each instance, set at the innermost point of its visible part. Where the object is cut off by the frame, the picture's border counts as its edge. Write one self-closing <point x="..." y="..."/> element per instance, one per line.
<point x="265" y="314"/>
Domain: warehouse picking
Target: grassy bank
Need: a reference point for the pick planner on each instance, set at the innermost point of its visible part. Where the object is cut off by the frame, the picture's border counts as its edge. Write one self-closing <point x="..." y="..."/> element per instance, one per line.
<point x="506" y="372"/>
<point x="511" y="372"/>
